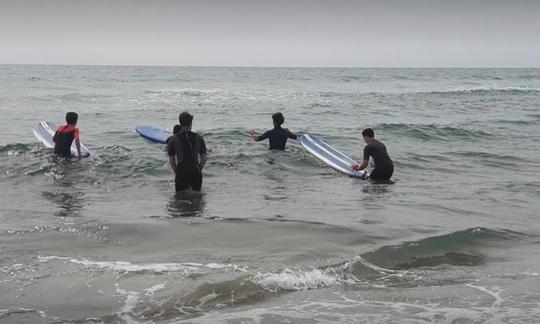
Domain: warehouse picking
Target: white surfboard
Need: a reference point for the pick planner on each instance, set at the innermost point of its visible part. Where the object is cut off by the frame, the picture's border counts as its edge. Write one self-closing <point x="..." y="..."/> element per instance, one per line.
<point x="330" y="156"/>
<point x="44" y="131"/>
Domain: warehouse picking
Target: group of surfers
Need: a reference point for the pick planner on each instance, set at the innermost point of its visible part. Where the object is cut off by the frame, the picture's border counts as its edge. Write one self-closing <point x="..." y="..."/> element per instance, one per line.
<point x="188" y="154"/>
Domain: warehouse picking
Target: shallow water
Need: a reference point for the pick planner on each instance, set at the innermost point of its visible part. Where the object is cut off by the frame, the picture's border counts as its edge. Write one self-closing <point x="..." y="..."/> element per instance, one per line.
<point x="275" y="237"/>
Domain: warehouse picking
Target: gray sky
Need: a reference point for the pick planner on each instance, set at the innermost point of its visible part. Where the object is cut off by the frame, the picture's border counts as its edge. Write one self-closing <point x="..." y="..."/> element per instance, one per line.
<point x="387" y="33"/>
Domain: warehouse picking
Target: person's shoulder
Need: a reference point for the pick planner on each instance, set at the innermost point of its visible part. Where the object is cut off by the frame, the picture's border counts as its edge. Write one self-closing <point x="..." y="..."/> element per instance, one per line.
<point x="197" y="135"/>
<point x="268" y="132"/>
<point x="379" y="143"/>
<point x="172" y="139"/>
<point x="370" y="147"/>
<point x="200" y="138"/>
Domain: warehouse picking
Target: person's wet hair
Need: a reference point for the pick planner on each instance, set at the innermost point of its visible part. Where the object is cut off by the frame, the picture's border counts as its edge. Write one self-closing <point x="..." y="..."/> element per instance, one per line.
<point x="176" y="129"/>
<point x="368" y="132"/>
<point x="71" y="118"/>
<point x="278" y="119"/>
<point x="185" y="119"/>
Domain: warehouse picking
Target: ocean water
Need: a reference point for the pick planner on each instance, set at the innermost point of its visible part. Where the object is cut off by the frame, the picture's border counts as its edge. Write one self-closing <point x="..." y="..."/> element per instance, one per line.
<point x="275" y="237"/>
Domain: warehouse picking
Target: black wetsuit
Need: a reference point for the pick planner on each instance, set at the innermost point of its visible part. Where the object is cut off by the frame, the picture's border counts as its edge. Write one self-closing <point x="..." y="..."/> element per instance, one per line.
<point x="187" y="146"/>
<point x="277" y="137"/>
<point x="63" y="138"/>
<point x="384" y="167"/>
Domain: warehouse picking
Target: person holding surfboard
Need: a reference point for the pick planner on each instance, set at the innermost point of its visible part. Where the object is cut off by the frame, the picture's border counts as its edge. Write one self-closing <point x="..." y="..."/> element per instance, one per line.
<point x="384" y="167"/>
<point x="277" y="136"/>
<point x="187" y="155"/>
<point x="65" y="135"/>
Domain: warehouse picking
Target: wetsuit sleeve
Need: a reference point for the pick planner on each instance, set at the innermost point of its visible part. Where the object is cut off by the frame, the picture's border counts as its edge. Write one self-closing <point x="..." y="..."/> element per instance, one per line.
<point x="170" y="147"/>
<point x="76" y="133"/>
<point x="202" y="149"/>
<point x="55" y="137"/>
<point x="367" y="152"/>
<point x="291" y="135"/>
<point x="263" y="136"/>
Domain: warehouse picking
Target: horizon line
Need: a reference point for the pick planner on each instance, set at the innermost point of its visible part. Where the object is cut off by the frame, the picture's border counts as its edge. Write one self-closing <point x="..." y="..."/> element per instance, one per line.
<point x="276" y="66"/>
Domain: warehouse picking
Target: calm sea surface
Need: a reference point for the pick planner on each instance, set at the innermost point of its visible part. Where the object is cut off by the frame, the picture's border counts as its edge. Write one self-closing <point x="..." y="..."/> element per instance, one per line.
<point x="276" y="237"/>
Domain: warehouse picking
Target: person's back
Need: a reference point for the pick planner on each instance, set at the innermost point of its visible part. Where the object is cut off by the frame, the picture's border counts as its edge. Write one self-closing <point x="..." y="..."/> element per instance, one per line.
<point x="277" y="136"/>
<point x="187" y="155"/>
<point x="65" y="135"/>
<point x="186" y="145"/>
<point x="384" y="167"/>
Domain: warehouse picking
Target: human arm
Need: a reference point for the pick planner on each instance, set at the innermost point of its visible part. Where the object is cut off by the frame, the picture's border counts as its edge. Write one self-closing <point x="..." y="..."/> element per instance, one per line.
<point x="78" y="145"/>
<point x="254" y="135"/>
<point x="172" y="156"/>
<point x="365" y="162"/>
<point x="258" y="138"/>
<point x="172" y="162"/>
<point x="77" y="142"/>
<point x="362" y="166"/>
<point x="291" y="134"/>
<point x="204" y="158"/>
<point x="203" y="155"/>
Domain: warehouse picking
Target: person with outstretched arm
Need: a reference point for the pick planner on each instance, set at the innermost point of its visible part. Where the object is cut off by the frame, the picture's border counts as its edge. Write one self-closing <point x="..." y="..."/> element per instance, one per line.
<point x="187" y="155"/>
<point x="384" y="167"/>
<point x="277" y="136"/>
<point x="65" y="135"/>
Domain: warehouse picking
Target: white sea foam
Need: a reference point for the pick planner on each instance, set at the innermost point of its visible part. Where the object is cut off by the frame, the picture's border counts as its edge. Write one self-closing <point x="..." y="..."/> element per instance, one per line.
<point x="189" y="92"/>
<point x="289" y="279"/>
<point x="132" y="298"/>
<point x="152" y="290"/>
<point x="21" y="310"/>
<point x="124" y="266"/>
<point x="494" y="292"/>
<point x="484" y="88"/>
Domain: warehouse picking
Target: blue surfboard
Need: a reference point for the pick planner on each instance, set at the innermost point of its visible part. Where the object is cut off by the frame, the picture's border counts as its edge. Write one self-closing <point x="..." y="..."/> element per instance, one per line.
<point x="330" y="156"/>
<point x="44" y="131"/>
<point x="153" y="134"/>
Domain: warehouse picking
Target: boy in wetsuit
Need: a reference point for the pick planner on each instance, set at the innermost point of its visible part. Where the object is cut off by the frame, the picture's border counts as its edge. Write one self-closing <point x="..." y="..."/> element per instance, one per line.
<point x="187" y="155"/>
<point x="175" y="130"/>
<point x="384" y="167"/>
<point x="277" y="136"/>
<point x="65" y="135"/>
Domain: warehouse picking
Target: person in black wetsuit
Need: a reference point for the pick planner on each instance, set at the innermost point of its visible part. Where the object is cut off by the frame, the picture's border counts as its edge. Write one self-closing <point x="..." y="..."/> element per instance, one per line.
<point x="187" y="155"/>
<point x="177" y="128"/>
<point x="384" y="167"/>
<point x="277" y="136"/>
<point x="65" y="135"/>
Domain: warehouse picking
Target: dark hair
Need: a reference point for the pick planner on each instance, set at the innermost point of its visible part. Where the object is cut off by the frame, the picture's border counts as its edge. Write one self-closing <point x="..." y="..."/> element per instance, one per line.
<point x="278" y="118"/>
<point x="71" y="118"/>
<point x="185" y="119"/>
<point x="368" y="132"/>
<point x="176" y="129"/>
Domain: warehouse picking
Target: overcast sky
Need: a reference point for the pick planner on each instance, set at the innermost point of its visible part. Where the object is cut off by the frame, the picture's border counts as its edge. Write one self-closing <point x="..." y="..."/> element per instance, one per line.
<point x="378" y="33"/>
